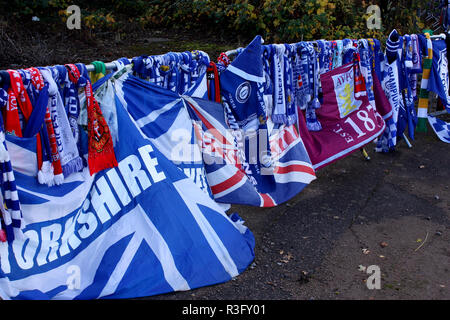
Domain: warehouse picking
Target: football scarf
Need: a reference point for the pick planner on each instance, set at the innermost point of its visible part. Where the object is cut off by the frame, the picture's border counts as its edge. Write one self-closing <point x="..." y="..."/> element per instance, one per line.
<point x="278" y="72"/>
<point x="67" y="148"/>
<point x="312" y="123"/>
<point x="391" y="85"/>
<point x="213" y="82"/>
<point x="366" y="69"/>
<point x="422" y="110"/>
<point x="439" y="76"/>
<point x="18" y="99"/>
<point x="136" y="230"/>
<point x="306" y="75"/>
<point x="223" y="61"/>
<point x="58" y="177"/>
<point x="300" y="80"/>
<point x="268" y="76"/>
<point x="377" y="57"/>
<point x="10" y="209"/>
<point x="100" y="145"/>
<point x="76" y="81"/>
<point x="337" y="55"/>
<point x="447" y="41"/>
<point x="291" y="115"/>
<point x="33" y="125"/>
<point x="416" y="65"/>
<point x="409" y="81"/>
<point x="51" y="172"/>
<point x="242" y="89"/>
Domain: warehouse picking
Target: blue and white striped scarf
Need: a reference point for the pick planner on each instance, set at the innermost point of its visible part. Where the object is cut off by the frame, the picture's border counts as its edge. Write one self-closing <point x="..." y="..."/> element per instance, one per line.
<point x="10" y="206"/>
<point x="312" y="122"/>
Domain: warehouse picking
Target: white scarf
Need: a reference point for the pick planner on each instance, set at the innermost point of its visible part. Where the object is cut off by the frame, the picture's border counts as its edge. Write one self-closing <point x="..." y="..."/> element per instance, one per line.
<point x="279" y="103"/>
<point x="67" y="147"/>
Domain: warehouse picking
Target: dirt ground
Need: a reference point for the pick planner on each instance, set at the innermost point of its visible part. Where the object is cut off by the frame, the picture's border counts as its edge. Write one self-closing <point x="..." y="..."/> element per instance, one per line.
<point x="392" y="211"/>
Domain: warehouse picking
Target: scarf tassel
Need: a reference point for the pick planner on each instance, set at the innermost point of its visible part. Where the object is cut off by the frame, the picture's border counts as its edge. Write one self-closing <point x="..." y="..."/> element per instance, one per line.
<point x="58" y="179"/>
<point x="45" y="175"/>
<point x="312" y="123"/>
<point x="72" y="166"/>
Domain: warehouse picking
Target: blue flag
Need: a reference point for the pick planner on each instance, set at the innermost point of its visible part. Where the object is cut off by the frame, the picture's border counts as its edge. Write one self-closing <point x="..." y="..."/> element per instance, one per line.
<point x="140" y="229"/>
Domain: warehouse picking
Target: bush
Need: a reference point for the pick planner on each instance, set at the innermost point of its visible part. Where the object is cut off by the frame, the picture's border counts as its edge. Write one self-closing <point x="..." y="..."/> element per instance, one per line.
<point x="275" y="20"/>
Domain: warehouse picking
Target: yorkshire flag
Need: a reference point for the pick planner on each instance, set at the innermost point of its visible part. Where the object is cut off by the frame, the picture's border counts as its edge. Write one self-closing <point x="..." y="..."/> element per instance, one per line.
<point x="140" y="229"/>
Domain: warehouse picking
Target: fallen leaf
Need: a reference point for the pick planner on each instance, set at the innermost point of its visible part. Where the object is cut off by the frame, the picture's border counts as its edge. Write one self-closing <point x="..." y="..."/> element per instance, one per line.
<point x="419" y="240"/>
<point x="383" y="244"/>
<point x="366" y="251"/>
<point x="362" y="268"/>
<point x="382" y="257"/>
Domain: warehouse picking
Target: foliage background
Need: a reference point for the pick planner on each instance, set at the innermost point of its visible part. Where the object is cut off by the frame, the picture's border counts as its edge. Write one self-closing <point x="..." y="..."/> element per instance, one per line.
<point x="216" y="21"/>
<point x="276" y="20"/>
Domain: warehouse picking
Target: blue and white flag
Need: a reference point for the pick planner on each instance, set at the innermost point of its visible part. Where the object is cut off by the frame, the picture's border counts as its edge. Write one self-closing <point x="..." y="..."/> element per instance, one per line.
<point x="440" y="127"/>
<point x="140" y="229"/>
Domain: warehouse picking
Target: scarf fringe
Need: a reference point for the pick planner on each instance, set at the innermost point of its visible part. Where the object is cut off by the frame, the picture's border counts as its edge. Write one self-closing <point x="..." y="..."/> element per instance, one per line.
<point x="45" y="175"/>
<point x="314" y="126"/>
<point x="315" y="104"/>
<point x="59" y="179"/>
<point x="290" y="120"/>
<point x="72" y="166"/>
<point x="279" y="118"/>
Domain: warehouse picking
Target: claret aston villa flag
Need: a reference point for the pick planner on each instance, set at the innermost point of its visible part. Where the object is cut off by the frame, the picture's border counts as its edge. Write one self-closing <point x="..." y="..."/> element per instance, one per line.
<point x="349" y="123"/>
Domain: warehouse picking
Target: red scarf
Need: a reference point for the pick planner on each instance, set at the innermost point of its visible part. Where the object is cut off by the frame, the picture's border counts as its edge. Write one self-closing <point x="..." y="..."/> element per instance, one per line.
<point x="38" y="82"/>
<point x="18" y="98"/>
<point x="213" y="74"/>
<point x="100" y="150"/>
<point x="360" y="84"/>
